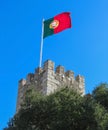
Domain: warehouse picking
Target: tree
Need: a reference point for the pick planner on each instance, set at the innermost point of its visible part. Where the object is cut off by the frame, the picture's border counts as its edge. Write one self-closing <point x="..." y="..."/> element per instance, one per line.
<point x="63" y="110"/>
<point x="94" y="116"/>
<point x="100" y="94"/>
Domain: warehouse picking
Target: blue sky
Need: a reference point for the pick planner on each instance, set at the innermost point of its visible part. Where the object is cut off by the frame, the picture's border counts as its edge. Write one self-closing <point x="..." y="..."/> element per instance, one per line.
<point x="83" y="48"/>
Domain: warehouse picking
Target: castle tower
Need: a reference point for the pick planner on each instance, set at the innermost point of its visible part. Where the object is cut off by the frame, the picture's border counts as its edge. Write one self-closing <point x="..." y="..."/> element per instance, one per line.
<point x="46" y="81"/>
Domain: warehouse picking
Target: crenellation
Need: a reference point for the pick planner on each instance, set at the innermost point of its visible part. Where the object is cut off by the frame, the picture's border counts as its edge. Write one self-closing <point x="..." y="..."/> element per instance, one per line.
<point x="69" y="74"/>
<point x="46" y="81"/>
<point x="22" y="82"/>
<point x="30" y="77"/>
<point x="48" y="65"/>
<point x="38" y="70"/>
<point x="79" y="78"/>
<point x="60" y="70"/>
<point x="81" y="83"/>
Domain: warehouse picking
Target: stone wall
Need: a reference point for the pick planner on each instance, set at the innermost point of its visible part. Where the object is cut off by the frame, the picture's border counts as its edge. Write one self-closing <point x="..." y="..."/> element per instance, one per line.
<point x="46" y="81"/>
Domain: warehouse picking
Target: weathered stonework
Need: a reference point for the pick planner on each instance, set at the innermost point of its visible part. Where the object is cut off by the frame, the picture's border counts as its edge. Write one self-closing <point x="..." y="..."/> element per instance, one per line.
<point x="46" y="81"/>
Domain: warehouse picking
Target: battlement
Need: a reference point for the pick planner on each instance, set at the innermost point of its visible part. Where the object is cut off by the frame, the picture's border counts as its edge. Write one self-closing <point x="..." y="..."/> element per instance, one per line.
<point x="48" y="79"/>
<point x="48" y="70"/>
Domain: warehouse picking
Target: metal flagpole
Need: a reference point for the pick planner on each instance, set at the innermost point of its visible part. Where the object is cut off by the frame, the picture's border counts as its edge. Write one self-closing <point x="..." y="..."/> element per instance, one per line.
<point x="41" y="45"/>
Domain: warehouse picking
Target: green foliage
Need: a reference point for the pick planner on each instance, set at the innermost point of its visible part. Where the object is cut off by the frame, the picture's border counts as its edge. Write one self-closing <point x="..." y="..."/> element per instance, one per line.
<point x="63" y="110"/>
<point x="94" y="116"/>
<point x="100" y="94"/>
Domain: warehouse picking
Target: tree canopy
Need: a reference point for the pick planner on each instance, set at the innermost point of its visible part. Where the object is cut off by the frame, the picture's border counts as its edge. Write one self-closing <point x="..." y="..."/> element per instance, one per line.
<point x="100" y="94"/>
<point x="63" y="110"/>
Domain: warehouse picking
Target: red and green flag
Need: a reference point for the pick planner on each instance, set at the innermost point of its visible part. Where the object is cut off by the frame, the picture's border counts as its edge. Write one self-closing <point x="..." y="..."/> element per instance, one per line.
<point x="57" y="24"/>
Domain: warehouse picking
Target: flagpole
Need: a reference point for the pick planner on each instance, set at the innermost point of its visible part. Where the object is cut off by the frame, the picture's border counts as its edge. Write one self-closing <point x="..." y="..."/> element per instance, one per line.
<point x="41" y="45"/>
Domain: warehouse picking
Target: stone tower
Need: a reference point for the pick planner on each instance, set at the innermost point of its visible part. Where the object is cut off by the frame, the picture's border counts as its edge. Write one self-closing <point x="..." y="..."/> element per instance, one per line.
<point x="46" y="81"/>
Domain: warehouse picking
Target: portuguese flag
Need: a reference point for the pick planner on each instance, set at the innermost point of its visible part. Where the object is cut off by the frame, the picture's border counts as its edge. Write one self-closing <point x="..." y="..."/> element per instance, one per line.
<point x="57" y="24"/>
